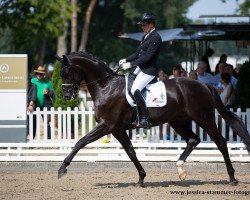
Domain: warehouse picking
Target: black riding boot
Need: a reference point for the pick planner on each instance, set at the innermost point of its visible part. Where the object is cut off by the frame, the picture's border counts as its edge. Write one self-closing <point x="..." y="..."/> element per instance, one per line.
<point x="142" y="110"/>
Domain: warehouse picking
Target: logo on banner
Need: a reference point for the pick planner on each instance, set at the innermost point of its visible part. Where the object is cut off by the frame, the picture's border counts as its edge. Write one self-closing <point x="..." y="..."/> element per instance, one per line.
<point x="4" y="68"/>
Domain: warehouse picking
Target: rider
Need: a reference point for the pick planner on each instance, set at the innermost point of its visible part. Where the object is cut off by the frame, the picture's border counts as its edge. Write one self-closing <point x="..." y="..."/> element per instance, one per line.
<point x="144" y="59"/>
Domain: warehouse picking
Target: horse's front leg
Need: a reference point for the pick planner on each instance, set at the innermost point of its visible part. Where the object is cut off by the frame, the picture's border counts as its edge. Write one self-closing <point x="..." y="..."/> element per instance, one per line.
<point x="99" y="131"/>
<point x="123" y="138"/>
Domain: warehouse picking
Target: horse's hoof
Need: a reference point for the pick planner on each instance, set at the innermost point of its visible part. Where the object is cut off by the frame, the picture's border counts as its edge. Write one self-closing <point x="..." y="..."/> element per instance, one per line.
<point x="62" y="172"/>
<point x="140" y="185"/>
<point x="234" y="182"/>
<point x="183" y="175"/>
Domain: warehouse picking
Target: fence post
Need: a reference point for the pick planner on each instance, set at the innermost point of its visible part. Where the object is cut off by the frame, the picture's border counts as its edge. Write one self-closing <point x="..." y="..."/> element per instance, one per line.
<point x="45" y="124"/>
<point x="83" y="114"/>
<point x="31" y="134"/>
<point x="52" y="123"/>
<point x="38" y="122"/>
<point x="59" y="124"/>
<point x="239" y="115"/>
<point x="64" y="124"/>
<point x="76" y="124"/>
<point x="90" y="118"/>
<point x="68" y="124"/>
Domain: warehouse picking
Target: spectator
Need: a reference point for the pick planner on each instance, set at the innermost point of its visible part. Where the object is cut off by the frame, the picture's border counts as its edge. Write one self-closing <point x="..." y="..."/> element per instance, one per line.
<point x="162" y="76"/>
<point x="217" y="77"/>
<point x="230" y="69"/>
<point x="31" y="102"/>
<point x="227" y="96"/>
<point x="31" y="98"/>
<point x="193" y="75"/>
<point x="237" y="70"/>
<point x="176" y="72"/>
<point x="223" y="59"/>
<point x="205" y="57"/>
<point x="202" y="75"/>
<point x="44" y="94"/>
<point x="227" y="93"/>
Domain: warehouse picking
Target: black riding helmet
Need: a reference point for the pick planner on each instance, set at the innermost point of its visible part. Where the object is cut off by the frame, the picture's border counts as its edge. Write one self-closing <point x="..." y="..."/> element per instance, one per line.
<point x="147" y="17"/>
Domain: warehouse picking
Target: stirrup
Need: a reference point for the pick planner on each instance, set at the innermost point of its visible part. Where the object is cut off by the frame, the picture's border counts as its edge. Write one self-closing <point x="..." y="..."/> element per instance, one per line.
<point x="144" y="123"/>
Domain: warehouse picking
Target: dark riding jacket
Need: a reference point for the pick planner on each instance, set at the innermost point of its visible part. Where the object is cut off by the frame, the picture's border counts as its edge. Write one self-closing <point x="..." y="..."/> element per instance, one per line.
<point x="146" y="54"/>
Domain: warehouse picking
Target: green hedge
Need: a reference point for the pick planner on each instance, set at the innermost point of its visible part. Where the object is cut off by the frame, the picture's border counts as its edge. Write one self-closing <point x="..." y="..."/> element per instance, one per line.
<point x="243" y="87"/>
<point x="57" y="86"/>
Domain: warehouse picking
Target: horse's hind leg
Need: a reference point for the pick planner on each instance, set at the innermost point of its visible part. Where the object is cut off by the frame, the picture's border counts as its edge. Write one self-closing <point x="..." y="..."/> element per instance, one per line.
<point x="99" y="131"/>
<point x="183" y="128"/>
<point x="123" y="138"/>
<point x="221" y="143"/>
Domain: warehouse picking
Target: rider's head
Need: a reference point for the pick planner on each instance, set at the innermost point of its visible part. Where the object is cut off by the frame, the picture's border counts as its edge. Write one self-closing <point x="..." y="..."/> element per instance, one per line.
<point x="147" y="22"/>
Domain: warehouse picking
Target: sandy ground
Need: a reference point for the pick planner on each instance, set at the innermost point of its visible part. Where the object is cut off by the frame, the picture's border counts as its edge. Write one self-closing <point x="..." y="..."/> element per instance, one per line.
<point x="121" y="185"/>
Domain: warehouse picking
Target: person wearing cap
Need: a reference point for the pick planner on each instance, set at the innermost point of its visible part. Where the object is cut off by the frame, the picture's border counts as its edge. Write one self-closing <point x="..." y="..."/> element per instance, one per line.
<point x="44" y="95"/>
<point x="144" y="62"/>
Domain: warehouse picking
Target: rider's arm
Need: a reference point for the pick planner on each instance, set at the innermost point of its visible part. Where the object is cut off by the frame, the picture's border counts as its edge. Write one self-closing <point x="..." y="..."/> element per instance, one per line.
<point x="153" y="49"/>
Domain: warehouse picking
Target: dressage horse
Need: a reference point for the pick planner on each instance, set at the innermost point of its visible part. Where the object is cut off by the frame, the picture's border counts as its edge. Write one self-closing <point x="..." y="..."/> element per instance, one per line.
<point x="186" y="100"/>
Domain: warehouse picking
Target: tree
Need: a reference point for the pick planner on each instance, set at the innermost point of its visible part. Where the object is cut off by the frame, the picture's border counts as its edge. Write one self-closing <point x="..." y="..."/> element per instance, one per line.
<point x="85" y="31"/>
<point x="33" y="24"/>
<point x="74" y="26"/>
<point x="57" y="86"/>
<point x="243" y="90"/>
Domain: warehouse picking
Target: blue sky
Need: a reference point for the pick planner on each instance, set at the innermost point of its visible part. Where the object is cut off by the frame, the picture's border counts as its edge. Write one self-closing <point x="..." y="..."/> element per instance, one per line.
<point x="213" y="7"/>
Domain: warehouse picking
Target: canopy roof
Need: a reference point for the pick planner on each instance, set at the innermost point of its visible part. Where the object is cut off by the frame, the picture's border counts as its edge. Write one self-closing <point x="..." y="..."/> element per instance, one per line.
<point x="240" y="31"/>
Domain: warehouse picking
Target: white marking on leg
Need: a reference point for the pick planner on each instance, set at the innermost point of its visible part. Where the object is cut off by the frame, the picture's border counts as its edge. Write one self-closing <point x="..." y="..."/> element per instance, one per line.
<point x="181" y="172"/>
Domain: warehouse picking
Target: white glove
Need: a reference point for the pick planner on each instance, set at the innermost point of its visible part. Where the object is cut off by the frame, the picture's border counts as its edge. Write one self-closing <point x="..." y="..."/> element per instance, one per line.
<point x="126" y="65"/>
<point x="122" y="61"/>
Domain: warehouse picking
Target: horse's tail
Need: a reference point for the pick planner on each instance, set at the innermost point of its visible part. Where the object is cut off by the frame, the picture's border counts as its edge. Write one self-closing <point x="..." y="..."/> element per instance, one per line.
<point x="231" y="118"/>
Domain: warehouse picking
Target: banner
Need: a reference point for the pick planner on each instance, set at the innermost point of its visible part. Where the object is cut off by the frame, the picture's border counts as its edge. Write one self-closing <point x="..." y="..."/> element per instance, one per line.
<point x="13" y="90"/>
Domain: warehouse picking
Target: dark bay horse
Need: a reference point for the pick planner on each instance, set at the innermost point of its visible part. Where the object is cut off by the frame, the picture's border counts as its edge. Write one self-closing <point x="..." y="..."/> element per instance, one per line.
<point x="186" y="100"/>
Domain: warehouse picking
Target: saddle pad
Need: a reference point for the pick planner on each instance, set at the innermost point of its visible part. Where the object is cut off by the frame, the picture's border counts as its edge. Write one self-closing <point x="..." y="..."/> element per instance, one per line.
<point x="154" y="94"/>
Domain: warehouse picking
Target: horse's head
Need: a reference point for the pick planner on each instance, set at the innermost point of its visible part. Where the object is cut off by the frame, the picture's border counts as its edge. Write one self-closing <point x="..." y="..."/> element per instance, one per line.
<point x="70" y="77"/>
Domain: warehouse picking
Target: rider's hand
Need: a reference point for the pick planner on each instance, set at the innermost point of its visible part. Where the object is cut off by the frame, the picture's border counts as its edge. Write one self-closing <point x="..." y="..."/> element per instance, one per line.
<point x="122" y="61"/>
<point x="126" y="65"/>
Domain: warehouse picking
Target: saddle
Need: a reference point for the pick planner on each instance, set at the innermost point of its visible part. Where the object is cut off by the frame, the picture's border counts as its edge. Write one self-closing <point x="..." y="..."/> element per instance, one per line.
<point x="154" y="93"/>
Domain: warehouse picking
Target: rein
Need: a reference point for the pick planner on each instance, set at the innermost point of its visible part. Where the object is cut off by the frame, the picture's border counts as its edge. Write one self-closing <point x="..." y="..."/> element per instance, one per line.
<point x="95" y="81"/>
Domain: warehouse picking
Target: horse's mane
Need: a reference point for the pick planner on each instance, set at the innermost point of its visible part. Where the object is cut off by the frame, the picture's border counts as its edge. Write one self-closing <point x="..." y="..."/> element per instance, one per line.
<point x="91" y="57"/>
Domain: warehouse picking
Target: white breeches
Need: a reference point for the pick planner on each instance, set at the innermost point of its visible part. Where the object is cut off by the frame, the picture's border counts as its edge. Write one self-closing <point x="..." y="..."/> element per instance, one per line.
<point x="141" y="80"/>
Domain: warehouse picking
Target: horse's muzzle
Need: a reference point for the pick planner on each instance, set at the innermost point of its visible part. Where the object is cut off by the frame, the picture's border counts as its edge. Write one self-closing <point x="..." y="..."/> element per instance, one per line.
<point x="69" y="91"/>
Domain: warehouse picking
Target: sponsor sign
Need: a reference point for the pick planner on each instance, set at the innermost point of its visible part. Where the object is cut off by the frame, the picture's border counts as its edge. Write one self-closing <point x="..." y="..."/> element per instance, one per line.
<point x="13" y="90"/>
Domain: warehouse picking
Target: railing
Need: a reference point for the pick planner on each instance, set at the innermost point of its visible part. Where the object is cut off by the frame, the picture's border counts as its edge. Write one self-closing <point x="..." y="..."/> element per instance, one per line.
<point x="158" y="143"/>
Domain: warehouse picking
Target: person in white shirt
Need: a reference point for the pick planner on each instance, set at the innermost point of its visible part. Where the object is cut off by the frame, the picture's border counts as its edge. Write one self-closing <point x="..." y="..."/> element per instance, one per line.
<point x="202" y="75"/>
<point x="227" y="93"/>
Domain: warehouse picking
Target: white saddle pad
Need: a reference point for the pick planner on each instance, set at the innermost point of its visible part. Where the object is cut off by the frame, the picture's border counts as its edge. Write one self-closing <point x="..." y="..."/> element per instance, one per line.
<point x="155" y="94"/>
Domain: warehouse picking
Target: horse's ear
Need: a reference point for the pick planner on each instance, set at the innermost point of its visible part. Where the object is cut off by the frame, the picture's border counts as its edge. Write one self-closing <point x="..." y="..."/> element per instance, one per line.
<point x="58" y="58"/>
<point x="66" y="61"/>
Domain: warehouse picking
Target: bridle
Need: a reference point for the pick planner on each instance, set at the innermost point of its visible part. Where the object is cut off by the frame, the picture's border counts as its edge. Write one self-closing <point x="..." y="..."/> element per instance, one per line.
<point x="74" y="87"/>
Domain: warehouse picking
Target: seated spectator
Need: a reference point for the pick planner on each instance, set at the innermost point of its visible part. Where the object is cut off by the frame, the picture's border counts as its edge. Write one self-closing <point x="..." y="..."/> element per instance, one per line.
<point x="223" y="59"/>
<point x="176" y="72"/>
<point x="227" y="93"/>
<point x="202" y="76"/>
<point x="217" y="77"/>
<point x="227" y="96"/>
<point x="205" y="57"/>
<point x="192" y="75"/>
<point x="230" y="69"/>
<point x="162" y="76"/>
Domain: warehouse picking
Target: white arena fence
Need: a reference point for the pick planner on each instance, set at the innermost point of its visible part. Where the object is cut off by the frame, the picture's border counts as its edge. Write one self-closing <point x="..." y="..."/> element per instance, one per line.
<point x="159" y="143"/>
